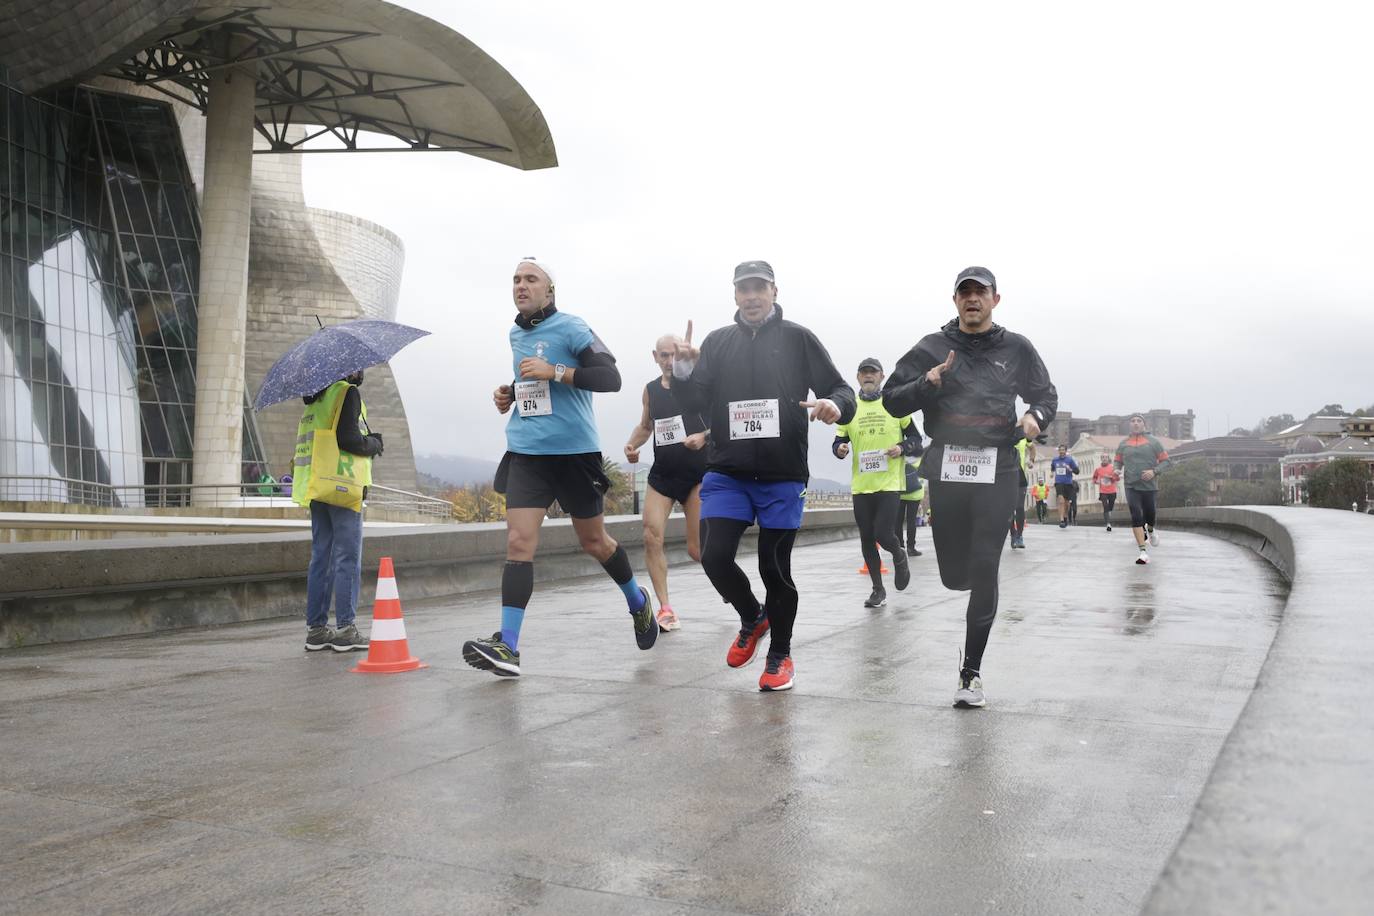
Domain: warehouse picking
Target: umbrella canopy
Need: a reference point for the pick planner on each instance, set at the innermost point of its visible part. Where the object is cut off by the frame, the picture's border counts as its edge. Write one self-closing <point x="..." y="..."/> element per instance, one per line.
<point x="330" y="354"/>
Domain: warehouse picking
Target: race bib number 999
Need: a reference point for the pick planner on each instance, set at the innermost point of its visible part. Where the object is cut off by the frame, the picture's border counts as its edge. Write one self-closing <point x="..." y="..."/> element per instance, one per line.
<point x="754" y="419"/>
<point x="969" y="464"/>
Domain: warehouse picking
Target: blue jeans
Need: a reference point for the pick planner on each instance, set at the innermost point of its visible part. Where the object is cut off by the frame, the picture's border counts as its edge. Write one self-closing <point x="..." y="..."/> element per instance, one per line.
<point x="336" y="564"/>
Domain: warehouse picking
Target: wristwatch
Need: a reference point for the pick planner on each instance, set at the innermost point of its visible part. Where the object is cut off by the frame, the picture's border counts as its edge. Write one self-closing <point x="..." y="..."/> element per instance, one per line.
<point x="558" y="372"/>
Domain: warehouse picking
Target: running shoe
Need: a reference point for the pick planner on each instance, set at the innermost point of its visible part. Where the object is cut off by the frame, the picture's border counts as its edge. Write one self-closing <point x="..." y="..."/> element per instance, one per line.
<point x="747" y="642"/>
<point x="970" y="692"/>
<point x="1017" y="543"/>
<point x="902" y="577"/>
<point x="1154" y="540"/>
<point x="646" y="624"/>
<point x="667" y="620"/>
<point x="877" y="599"/>
<point x="1142" y="558"/>
<point x="777" y="673"/>
<point x="912" y="552"/>
<point x="1064" y="524"/>
<point x="348" y="640"/>
<point x="492" y="655"/>
<point x="317" y="638"/>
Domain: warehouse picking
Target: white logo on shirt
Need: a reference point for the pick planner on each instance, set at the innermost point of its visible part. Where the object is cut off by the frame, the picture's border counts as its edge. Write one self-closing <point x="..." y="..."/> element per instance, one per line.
<point x="540" y="347"/>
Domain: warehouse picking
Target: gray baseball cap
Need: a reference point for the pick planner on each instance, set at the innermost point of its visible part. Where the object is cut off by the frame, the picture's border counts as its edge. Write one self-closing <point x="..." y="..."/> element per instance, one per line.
<point x="750" y="270"/>
<point x="978" y="274"/>
<point x="870" y="362"/>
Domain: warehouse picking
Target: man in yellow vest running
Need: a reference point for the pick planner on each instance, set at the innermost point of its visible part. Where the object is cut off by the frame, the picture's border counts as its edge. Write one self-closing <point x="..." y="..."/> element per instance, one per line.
<point x="333" y="469"/>
<point x="909" y="507"/>
<point x="878" y="441"/>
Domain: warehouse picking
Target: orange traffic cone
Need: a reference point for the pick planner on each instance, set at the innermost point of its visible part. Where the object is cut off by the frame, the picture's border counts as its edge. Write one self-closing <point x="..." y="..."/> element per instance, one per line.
<point x="387" y="649"/>
<point x="863" y="570"/>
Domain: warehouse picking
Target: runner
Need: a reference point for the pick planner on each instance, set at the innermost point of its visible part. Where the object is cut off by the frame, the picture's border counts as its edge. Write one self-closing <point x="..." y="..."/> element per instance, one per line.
<point x="1025" y="456"/>
<point x="1063" y="467"/>
<point x="679" y="463"/>
<point x="1040" y="492"/>
<point x="966" y="378"/>
<point x="909" y="506"/>
<point x="1105" y="476"/>
<point x="750" y="379"/>
<point x="1073" y="504"/>
<point x="1140" y="457"/>
<point x="877" y="440"/>
<point x="552" y="453"/>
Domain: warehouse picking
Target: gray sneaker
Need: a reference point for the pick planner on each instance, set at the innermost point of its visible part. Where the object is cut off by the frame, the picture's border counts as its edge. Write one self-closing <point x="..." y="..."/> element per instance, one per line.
<point x="970" y="693"/>
<point x="1154" y="539"/>
<point x="317" y="638"/>
<point x="349" y="640"/>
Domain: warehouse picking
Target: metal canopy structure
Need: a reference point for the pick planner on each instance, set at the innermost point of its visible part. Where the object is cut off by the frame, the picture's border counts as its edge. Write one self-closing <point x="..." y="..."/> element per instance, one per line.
<point x="358" y="75"/>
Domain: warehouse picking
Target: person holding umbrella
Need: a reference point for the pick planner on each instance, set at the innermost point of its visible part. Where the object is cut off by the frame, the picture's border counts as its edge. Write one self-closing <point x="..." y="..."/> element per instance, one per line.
<point x="332" y="468"/>
<point x="334" y="452"/>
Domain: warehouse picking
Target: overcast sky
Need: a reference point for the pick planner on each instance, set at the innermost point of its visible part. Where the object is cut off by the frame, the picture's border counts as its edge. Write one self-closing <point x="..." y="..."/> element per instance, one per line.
<point x="1176" y="199"/>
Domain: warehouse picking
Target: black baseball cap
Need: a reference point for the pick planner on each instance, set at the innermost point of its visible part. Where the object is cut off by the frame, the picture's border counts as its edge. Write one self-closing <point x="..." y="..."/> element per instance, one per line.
<point x="871" y="362"/>
<point x="978" y="274"/>
<point x="750" y="270"/>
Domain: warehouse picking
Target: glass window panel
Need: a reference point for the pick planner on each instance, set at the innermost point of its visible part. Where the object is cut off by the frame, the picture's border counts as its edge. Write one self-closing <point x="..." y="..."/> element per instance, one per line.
<point x="139" y="219"/>
<point x="84" y="432"/>
<point x="33" y="174"/>
<point x="85" y="377"/>
<point x="183" y="374"/>
<point x="179" y="427"/>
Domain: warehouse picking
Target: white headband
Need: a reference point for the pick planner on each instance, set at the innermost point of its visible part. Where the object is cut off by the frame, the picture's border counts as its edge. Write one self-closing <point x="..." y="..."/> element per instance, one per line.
<point x="548" y="271"/>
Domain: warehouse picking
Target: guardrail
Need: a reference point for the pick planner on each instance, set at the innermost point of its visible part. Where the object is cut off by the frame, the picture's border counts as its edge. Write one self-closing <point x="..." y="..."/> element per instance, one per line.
<point x="38" y="488"/>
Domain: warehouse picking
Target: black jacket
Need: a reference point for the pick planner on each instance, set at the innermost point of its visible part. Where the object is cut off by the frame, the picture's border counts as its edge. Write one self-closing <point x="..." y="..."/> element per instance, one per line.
<point x="780" y="360"/>
<point x="976" y="404"/>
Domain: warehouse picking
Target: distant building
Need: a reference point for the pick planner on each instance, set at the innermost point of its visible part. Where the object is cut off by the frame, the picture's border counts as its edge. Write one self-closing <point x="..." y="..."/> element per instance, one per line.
<point x="1067" y="428"/>
<point x="1325" y="429"/>
<point x="1244" y="458"/>
<point x="1308" y="452"/>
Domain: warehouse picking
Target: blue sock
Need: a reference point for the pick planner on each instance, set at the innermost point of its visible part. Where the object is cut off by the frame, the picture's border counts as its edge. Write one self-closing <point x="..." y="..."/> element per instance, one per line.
<point x="633" y="596"/>
<point x="511" y="619"/>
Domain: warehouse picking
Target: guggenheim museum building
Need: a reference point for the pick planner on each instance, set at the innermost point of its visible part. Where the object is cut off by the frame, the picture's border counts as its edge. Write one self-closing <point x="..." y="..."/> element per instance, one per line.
<point x="156" y="251"/>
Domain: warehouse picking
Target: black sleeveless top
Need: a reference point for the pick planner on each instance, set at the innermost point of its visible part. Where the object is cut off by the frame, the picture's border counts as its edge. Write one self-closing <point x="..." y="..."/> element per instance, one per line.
<point x="674" y="459"/>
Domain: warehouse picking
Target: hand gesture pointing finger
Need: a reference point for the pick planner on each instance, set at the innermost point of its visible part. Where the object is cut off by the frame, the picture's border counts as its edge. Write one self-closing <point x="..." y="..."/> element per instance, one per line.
<point x="934" y="375"/>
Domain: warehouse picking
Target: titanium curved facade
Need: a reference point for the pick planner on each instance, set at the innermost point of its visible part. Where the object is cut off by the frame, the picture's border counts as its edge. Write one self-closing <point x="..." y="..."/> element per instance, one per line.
<point x="99" y="251"/>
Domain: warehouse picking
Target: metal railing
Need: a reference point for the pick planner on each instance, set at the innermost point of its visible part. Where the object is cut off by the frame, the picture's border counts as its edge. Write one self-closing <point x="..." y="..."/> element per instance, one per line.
<point x="36" y="488"/>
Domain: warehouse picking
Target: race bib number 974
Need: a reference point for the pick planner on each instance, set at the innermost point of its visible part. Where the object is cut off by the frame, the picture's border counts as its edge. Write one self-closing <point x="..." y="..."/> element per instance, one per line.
<point x="754" y="419"/>
<point x="969" y="464"/>
<point x="533" y="399"/>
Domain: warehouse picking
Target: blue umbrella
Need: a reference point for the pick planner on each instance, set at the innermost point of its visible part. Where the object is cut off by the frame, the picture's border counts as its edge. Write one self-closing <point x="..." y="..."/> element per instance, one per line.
<point x="331" y="354"/>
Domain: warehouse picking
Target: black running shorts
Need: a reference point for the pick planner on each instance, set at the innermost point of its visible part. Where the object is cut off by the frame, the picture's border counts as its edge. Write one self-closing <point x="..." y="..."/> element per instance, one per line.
<point x="535" y="481"/>
<point x="678" y="489"/>
<point x="1108" y="500"/>
<point x="1064" y="489"/>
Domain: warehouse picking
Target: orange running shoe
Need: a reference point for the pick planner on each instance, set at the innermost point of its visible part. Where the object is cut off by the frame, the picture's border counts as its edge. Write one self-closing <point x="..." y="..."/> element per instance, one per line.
<point x="777" y="673"/>
<point x="747" y="642"/>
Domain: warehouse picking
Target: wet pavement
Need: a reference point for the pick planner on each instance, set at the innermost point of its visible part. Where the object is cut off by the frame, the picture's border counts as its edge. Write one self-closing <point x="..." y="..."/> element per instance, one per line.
<point x="224" y="769"/>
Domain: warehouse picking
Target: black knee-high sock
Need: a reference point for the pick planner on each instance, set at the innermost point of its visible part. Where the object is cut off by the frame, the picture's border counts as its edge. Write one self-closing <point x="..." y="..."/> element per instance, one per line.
<point x="617" y="566"/>
<point x="517" y="583"/>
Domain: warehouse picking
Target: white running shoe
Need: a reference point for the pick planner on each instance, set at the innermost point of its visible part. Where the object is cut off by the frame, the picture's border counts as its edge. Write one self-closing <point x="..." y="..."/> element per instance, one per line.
<point x="1143" y="558"/>
<point x="970" y="693"/>
<point x="1154" y="540"/>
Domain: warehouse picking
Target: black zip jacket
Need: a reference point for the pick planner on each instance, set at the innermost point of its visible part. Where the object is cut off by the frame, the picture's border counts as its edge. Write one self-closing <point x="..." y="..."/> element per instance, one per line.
<point x="976" y="404"/>
<point x="780" y="360"/>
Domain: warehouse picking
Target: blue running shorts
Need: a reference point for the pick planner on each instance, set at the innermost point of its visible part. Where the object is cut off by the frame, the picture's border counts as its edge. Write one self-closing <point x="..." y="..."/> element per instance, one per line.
<point x="774" y="503"/>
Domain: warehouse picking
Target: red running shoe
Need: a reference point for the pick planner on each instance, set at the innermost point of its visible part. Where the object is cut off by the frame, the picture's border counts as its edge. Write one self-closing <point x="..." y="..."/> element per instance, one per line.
<point x="777" y="674"/>
<point x="746" y="644"/>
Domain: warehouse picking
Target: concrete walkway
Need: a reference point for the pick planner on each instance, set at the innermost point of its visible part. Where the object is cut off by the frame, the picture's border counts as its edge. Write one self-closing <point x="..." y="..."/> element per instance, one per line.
<point x="224" y="769"/>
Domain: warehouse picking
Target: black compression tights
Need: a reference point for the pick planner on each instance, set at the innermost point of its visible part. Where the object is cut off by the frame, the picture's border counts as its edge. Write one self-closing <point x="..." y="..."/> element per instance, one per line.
<point x="876" y="514"/>
<point x="720" y="539"/>
<point x="908" y="510"/>
<point x="970" y="527"/>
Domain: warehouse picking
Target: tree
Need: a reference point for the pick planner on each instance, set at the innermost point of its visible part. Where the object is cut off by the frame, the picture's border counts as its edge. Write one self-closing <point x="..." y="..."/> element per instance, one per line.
<point x="1277" y="423"/>
<point x="1241" y="431"/>
<point x="1338" y="484"/>
<point x="1265" y="492"/>
<point x="1184" y="484"/>
<point x="620" y="497"/>
<point x="1330" y="410"/>
<point x="477" y="503"/>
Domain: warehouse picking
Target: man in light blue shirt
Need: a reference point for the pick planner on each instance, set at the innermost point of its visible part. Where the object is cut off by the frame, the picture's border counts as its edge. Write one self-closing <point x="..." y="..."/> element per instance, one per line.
<point x="552" y="453"/>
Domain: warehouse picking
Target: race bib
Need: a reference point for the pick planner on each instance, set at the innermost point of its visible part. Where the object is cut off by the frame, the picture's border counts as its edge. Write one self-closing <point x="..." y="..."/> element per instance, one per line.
<point x="533" y="398"/>
<point x="669" y="431"/>
<point x="754" y="419"/>
<point x="969" y="464"/>
<point x="873" y="461"/>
